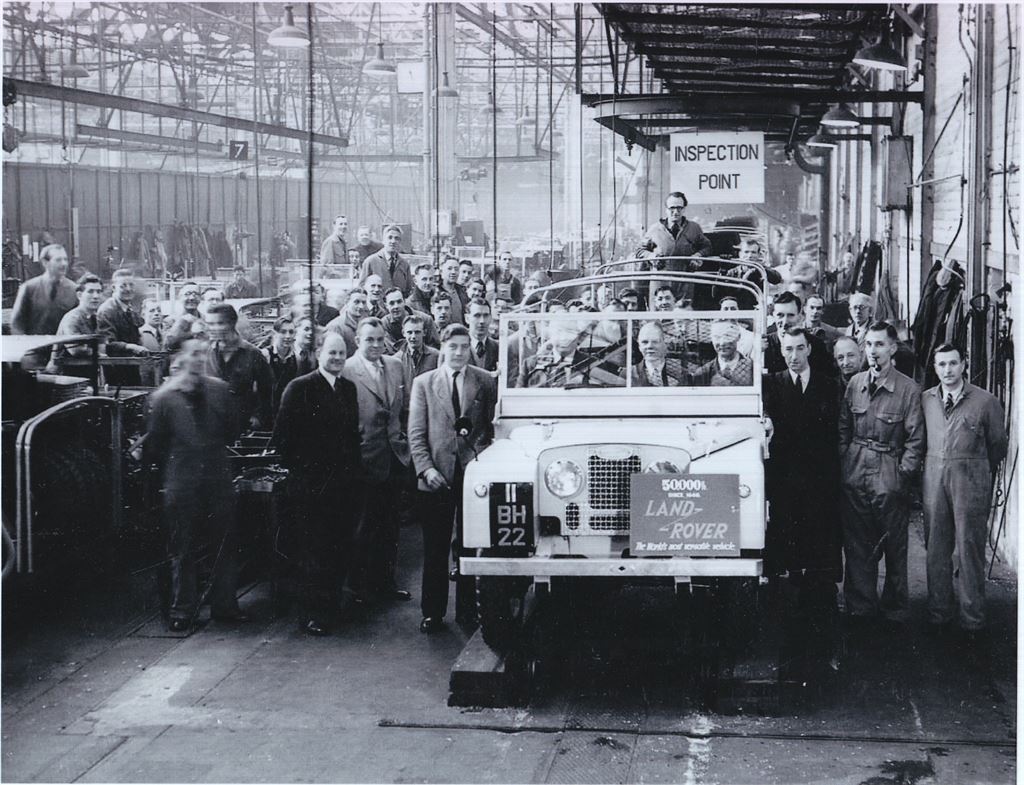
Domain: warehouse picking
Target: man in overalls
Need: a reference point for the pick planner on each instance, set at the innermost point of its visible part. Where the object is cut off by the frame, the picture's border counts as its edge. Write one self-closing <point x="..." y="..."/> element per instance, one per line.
<point x="881" y="444"/>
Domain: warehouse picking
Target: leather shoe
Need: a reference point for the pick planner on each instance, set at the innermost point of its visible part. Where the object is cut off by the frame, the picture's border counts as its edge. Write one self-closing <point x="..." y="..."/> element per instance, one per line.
<point x="394" y="593"/>
<point x="179" y="625"/>
<point x="232" y="617"/>
<point x="315" y="627"/>
<point x="431" y="624"/>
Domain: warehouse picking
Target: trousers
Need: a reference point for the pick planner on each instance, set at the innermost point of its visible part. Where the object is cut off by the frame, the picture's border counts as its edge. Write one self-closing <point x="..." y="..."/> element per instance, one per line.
<point x="875" y="511"/>
<point x="957" y="497"/>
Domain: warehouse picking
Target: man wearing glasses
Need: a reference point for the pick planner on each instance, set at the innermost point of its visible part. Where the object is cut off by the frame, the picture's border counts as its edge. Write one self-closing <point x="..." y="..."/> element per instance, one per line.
<point x="674" y="235"/>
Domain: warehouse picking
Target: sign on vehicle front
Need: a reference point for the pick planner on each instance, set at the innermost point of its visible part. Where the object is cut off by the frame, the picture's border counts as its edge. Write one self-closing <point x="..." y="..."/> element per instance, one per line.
<point x="685" y="515"/>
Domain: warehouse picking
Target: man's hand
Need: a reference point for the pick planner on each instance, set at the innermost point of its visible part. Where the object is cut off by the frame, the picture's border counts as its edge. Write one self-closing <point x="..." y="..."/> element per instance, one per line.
<point x="138" y="351"/>
<point x="434" y="480"/>
<point x="769" y="428"/>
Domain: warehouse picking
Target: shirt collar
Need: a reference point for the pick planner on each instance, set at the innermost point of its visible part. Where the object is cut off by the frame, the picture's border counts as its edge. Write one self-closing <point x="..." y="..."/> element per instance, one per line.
<point x="451" y="374"/>
<point x="957" y="394"/>
<point x="884" y="379"/>
<point x="730" y="364"/>
<point x="331" y="378"/>
<point x="805" y="376"/>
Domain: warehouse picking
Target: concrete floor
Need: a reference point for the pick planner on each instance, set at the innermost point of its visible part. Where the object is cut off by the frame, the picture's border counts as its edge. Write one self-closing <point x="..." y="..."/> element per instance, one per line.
<point x="94" y="690"/>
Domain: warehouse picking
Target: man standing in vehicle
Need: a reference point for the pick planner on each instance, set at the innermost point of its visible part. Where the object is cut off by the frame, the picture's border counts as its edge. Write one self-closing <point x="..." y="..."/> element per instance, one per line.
<point x="674" y="235"/>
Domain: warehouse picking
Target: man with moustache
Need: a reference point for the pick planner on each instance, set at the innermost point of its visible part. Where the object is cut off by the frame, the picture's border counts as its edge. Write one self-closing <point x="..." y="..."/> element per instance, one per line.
<point x="317" y="436"/>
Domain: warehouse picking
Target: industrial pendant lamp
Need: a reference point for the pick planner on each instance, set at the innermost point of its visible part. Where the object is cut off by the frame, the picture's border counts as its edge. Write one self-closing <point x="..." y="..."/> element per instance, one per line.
<point x="378" y="66"/>
<point x="446" y="90"/>
<point x="74" y="70"/>
<point x="822" y="140"/>
<point x="492" y="108"/>
<point x="840" y="116"/>
<point x="880" y="55"/>
<point x="288" y="36"/>
<point x="525" y="118"/>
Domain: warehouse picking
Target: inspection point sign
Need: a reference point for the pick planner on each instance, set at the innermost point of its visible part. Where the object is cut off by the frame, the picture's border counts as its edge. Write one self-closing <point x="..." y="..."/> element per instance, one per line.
<point x="719" y="168"/>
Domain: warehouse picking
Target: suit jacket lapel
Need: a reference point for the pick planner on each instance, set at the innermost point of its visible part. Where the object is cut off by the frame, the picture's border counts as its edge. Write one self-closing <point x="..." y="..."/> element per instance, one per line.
<point x="440" y="385"/>
<point x="367" y="380"/>
<point x="469" y="389"/>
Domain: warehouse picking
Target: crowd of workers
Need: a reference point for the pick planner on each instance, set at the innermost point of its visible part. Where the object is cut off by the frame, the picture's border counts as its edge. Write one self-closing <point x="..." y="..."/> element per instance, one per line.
<point x="396" y="390"/>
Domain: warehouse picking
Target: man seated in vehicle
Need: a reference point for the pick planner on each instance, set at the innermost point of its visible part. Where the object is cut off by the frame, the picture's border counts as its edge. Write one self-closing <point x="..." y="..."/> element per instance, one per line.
<point x="560" y="363"/>
<point x="746" y="342"/>
<point x="729" y="368"/>
<point x="655" y="368"/>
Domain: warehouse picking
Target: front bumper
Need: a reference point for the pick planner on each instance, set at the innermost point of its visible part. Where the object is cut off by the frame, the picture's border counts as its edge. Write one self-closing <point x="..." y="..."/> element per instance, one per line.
<point x="542" y="567"/>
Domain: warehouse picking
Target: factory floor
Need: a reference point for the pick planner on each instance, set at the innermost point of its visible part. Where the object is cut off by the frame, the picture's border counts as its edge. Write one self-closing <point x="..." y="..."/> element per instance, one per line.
<point x="95" y="690"/>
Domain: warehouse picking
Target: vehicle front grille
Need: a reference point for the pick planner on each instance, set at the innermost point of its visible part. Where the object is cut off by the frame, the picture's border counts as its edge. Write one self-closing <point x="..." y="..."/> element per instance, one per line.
<point x="608" y="482"/>
<point x="572" y="516"/>
<point x="610" y="523"/>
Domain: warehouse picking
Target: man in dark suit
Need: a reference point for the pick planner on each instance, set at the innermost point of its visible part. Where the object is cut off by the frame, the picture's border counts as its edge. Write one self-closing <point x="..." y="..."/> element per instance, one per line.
<point x="119" y="323"/>
<point x="192" y="420"/>
<point x="802" y="482"/>
<point x="379" y="383"/>
<point x="787" y="313"/>
<point x="392" y="268"/>
<point x="317" y="436"/>
<point x="454" y="395"/>
<point x="483" y="348"/>
<point x="450" y="286"/>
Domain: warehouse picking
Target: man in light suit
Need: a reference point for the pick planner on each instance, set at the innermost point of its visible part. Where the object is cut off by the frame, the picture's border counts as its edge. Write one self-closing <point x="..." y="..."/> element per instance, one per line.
<point x="379" y="382"/>
<point x="392" y="268"/>
<point x="455" y="393"/>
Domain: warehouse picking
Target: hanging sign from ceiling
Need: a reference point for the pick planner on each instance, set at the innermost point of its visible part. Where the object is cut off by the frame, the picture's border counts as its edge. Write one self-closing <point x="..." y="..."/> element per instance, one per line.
<point x="719" y="168"/>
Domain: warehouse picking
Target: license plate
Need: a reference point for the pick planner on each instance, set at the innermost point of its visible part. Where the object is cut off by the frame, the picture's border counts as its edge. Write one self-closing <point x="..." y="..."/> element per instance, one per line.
<point x="511" y="514"/>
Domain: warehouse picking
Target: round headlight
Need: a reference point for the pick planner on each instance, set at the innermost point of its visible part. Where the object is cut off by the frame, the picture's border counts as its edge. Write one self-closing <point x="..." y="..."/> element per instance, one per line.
<point x="563" y="478"/>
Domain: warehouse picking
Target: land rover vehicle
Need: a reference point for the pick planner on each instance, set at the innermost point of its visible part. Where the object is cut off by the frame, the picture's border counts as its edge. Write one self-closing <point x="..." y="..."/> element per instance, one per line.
<point x="595" y="472"/>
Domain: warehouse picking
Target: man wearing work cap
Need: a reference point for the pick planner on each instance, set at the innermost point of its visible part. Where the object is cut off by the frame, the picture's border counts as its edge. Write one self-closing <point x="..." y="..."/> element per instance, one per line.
<point x="729" y="368"/>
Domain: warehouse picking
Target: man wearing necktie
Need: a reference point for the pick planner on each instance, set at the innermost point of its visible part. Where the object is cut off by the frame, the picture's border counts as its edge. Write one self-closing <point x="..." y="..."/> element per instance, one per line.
<point x="449" y="422"/>
<point x="379" y="383"/>
<point x="967" y="440"/>
<point x="42" y="301"/>
<point x="881" y="444"/>
<point x="802" y="483"/>
<point x="119" y="324"/>
<point x="317" y="436"/>
<point x="654" y="368"/>
<point x="388" y="263"/>
<point x="484" y="348"/>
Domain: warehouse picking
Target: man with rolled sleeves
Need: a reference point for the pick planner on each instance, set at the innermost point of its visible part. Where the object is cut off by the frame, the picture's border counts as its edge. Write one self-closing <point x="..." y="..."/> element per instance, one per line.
<point x="966" y="442"/>
<point x="881" y="444"/>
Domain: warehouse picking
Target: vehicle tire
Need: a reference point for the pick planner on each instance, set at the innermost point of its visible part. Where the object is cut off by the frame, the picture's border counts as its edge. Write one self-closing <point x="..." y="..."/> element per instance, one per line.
<point x="500" y="603"/>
